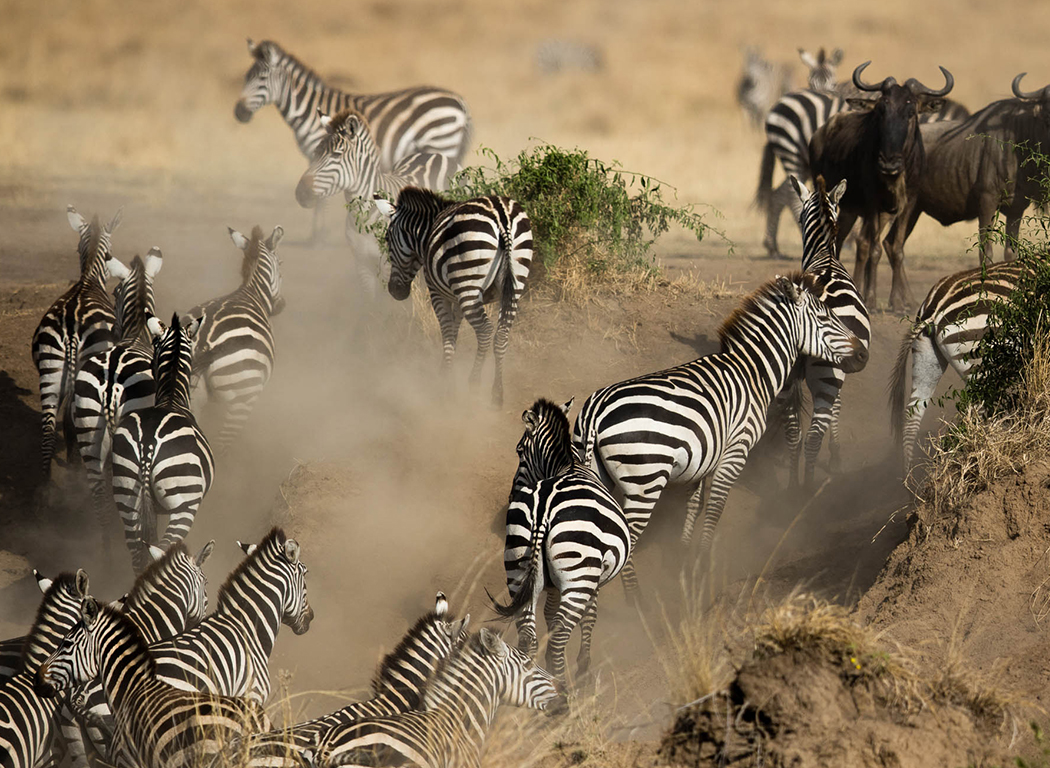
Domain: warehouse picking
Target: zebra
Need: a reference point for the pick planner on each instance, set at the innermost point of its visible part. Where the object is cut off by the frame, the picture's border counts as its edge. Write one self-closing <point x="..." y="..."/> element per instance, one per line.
<point x="168" y="598"/>
<point x="565" y="533"/>
<point x="946" y="331"/>
<point x="27" y="720"/>
<point x="789" y="127"/>
<point x="118" y="380"/>
<point x="228" y="652"/>
<point x="471" y="252"/>
<point x="347" y="160"/>
<point x="817" y="220"/>
<point x="702" y="418"/>
<point x="162" y="463"/>
<point x="79" y="324"/>
<point x="398" y="686"/>
<point x="421" y="119"/>
<point x="458" y="709"/>
<point x="764" y="82"/>
<point x="156" y="725"/>
<point x="233" y="351"/>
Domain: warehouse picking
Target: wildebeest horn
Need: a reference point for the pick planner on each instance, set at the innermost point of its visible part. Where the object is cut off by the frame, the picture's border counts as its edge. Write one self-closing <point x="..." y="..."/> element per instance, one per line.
<point x="921" y="90"/>
<point x="861" y="85"/>
<point x="1016" y="87"/>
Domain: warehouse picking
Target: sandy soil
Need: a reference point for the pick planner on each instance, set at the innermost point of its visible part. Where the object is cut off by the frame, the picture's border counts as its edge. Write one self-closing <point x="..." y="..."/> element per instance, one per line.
<point x="395" y="488"/>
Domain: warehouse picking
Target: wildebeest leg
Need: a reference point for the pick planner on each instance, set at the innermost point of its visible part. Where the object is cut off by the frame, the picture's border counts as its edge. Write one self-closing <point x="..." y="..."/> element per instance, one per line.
<point x="986" y="208"/>
<point x="900" y="292"/>
<point x="862" y="272"/>
<point x="1013" y="230"/>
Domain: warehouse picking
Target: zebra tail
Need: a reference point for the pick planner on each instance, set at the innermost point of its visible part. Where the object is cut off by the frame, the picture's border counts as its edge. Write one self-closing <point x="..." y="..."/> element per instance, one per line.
<point x="507" y="287"/>
<point x="764" y="193"/>
<point x="897" y="384"/>
<point x="532" y="584"/>
<point x="147" y="518"/>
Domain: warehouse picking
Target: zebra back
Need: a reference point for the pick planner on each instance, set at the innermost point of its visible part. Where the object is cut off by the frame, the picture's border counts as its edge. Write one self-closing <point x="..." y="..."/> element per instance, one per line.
<point x="134" y="300"/>
<point x="172" y="365"/>
<point x="822" y="68"/>
<point x="545" y="448"/>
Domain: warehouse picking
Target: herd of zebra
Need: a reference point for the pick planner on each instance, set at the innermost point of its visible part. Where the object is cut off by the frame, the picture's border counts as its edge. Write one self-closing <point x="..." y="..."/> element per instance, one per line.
<point x="152" y="680"/>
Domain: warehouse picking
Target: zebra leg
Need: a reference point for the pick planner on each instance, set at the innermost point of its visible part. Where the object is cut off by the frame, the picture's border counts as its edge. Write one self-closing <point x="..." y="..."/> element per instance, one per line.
<point x="835" y="461"/>
<point x="52" y="371"/>
<point x="927" y="367"/>
<point x="526" y="626"/>
<point x="692" y="509"/>
<point x="508" y="311"/>
<point x="93" y="441"/>
<point x="780" y="198"/>
<point x="550" y="608"/>
<point x="825" y="385"/>
<point x="722" y="479"/>
<point x="237" y="412"/>
<point x="449" y="318"/>
<point x="587" y="622"/>
<point x="130" y="493"/>
<point x="571" y="606"/>
<point x="473" y="309"/>
<point x="180" y="518"/>
<point x="790" y="408"/>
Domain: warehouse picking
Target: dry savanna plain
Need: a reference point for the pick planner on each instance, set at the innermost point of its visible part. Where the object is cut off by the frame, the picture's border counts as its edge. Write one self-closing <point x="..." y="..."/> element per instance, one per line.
<point x="396" y="484"/>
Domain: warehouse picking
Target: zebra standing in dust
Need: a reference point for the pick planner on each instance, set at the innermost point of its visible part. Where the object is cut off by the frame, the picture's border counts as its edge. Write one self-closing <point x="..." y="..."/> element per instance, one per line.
<point x="818" y="221"/>
<point x="58" y="612"/>
<point x="155" y="724"/>
<point x="471" y="253"/>
<point x="79" y="324"/>
<point x="764" y="82"/>
<point x="459" y="706"/>
<point x="423" y="119"/>
<point x="115" y="382"/>
<point x="946" y="331"/>
<point x="162" y="463"/>
<point x="347" y="160"/>
<point x="565" y="534"/>
<point x="399" y="685"/>
<point x="702" y="418"/>
<point x="27" y="720"/>
<point x="233" y="351"/>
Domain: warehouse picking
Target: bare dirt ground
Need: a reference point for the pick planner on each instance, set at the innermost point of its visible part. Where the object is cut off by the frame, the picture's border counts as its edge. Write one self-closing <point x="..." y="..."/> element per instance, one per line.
<point x="395" y="486"/>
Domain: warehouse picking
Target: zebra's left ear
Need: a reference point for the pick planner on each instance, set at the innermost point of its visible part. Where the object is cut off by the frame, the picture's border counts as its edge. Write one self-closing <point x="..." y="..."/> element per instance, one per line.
<point x="247" y="548"/>
<point x="154" y="261"/>
<point x="441" y="605"/>
<point x="384" y="206"/>
<point x="116" y="268"/>
<point x="568" y="406"/>
<point x="800" y="189"/>
<point x="81" y="582"/>
<point x="530" y="421"/>
<point x="789" y="289"/>
<point x="275" y="237"/>
<point x="807" y="58"/>
<point x="205" y="553"/>
<point x="836" y="57"/>
<point x="238" y="239"/>
<point x="76" y="221"/>
<point x="291" y="551"/>
<point x="190" y="327"/>
<point x="326" y="120"/>
<point x="253" y="49"/>
<point x="493" y="643"/>
<point x="89" y="611"/>
<point x="155" y="552"/>
<point x="837" y="193"/>
<point x="42" y="581"/>
<point x="155" y="326"/>
<point x="115" y="221"/>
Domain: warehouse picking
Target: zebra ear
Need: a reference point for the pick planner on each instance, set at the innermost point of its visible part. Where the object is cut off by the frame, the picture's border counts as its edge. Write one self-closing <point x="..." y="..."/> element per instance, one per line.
<point x="247" y="548"/>
<point x="838" y="191"/>
<point x="117" y="269"/>
<point x="291" y="551"/>
<point x="275" y="236"/>
<point x="493" y="643"/>
<point x="238" y="239"/>
<point x="464" y="623"/>
<point x="807" y="58"/>
<point x="530" y="421"/>
<point x="154" y="261"/>
<point x="76" y="221"/>
<point x="253" y="49"/>
<point x="190" y="327"/>
<point x="568" y="406"/>
<point x="81" y="582"/>
<point x="42" y="581"/>
<point x="89" y="611"/>
<point x="441" y="605"/>
<point x="788" y="288"/>
<point x="836" y="57"/>
<point x="115" y="221"/>
<point x="326" y="120"/>
<point x="800" y="189"/>
<point x="155" y="327"/>
<point x="205" y="553"/>
<point x="155" y="552"/>
<point x="384" y="206"/>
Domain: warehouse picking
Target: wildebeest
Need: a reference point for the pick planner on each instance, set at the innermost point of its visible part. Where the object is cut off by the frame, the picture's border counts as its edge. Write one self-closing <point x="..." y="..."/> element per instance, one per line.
<point x="878" y="149"/>
<point x="976" y="167"/>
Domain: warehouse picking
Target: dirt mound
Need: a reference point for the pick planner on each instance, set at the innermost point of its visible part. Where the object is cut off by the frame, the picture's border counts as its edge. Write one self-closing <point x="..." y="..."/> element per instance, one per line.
<point x="817" y="707"/>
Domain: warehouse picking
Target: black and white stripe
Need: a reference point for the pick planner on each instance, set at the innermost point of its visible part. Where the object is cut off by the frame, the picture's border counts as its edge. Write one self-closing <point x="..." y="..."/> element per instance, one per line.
<point x="162" y="463"/>
<point x="58" y="611"/>
<point x="79" y="324"/>
<point x="472" y="253"/>
<point x="764" y="82"/>
<point x="701" y="419"/>
<point x="818" y="221"/>
<point x="233" y="351"/>
<point x="565" y="534"/>
<point x="947" y="328"/>
<point x="458" y="709"/>
<point x="155" y="724"/>
<point x="117" y="381"/>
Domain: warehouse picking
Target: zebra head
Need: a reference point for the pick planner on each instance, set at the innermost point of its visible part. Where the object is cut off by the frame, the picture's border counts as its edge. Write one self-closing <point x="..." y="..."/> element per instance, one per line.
<point x="173" y="583"/>
<point x="58" y="613"/>
<point x="409" y="228"/>
<point x="95" y="257"/>
<point x="545" y="448"/>
<point x="521" y="682"/>
<point x="261" y="267"/>
<point x="821" y="333"/>
<point x="279" y="557"/>
<point x="346" y="160"/>
<point x="822" y="68"/>
<point x="265" y="82"/>
<point x="75" y="660"/>
<point x="818" y="215"/>
<point x="133" y="296"/>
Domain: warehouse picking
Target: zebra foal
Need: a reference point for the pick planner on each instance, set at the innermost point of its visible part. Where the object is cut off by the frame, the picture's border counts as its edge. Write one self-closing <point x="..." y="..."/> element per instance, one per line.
<point x="471" y="253"/>
<point x="565" y="534"/>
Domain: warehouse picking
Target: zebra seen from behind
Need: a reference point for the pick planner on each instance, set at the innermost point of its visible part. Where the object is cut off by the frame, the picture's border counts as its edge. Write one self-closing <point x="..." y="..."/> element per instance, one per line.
<point x="459" y="706"/>
<point x="162" y="463"/>
<point x="946" y="330"/>
<point x="472" y="253"/>
<point x="566" y="535"/>
<point x="701" y="419"/>
<point x="155" y="724"/>
<point x="115" y="382"/>
<point x="233" y="351"/>
<point x="818" y="219"/>
<point x="79" y="324"/>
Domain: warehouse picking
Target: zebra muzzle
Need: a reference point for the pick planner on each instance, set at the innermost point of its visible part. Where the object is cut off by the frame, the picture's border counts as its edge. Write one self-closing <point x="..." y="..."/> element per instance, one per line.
<point x="242" y="113"/>
<point x="304" y="191"/>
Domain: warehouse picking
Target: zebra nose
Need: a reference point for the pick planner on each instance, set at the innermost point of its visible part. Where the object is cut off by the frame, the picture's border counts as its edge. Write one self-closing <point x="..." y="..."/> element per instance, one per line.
<point x="242" y="113"/>
<point x="304" y="192"/>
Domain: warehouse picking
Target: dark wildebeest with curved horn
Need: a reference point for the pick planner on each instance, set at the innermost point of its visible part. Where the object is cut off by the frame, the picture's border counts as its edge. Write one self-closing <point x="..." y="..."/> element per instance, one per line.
<point x="878" y="150"/>
<point x="976" y="167"/>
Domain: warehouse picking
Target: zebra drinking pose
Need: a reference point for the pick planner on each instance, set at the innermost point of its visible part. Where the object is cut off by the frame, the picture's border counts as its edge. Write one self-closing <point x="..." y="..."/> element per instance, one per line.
<point x="471" y="254"/>
<point x="565" y="534"/>
<point x="702" y="418"/>
<point x="162" y="463"/>
<point x="818" y="221"/>
<point x="115" y="382"/>
<point x="155" y="725"/>
<point x="946" y="330"/>
<point x="26" y="718"/>
<point x="234" y="350"/>
<point x="79" y="324"/>
<point x="458" y="709"/>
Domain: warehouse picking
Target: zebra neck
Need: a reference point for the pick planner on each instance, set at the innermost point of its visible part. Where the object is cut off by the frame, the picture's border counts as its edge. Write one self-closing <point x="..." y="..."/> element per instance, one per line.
<point x="255" y="604"/>
<point x="159" y="611"/>
<point x="173" y="391"/>
<point x="94" y="272"/>
<point x="766" y="357"/>
<point x="257" y="289"/>
<point x="123" y="660"/>
<point x="467" y="694"/>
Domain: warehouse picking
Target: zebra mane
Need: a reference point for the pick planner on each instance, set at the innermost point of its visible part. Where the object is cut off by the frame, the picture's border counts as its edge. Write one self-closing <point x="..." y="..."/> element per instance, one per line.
<point x="549" y="412"/>
<point x="251" y="253"/>
<point x="136" y="277"/>
<point x="90" y="242"/>
<point x="339" y="120"/>
<point x="275" y="539"/>
<point x="757" y="298"/>
<point x="129" y="626"/>
<point x="385" y="678"/>
<point x="826" y="213"/>
<point x="153" y="575"/>
<point x="64" y="581"/>
<point x="268" y="48"/>
<point x="417" y="198"/>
